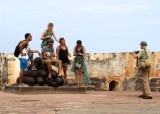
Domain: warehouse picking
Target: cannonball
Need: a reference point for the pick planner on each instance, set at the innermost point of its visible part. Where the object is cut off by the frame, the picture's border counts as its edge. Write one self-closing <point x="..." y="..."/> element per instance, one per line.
<point x="37" y="66"/>
<point x="30" y="81"/>
<point x="43" y="73"/>
<point x="23" y="80"/>
<point x="38" y="61"/>
<point x="29" y="67"/>
<point x="54" y="74"/>
<point x="27" y="73"/>
<point x="54" y="83"/>
<point x="40" y="81"/>
<point x="43" y="67"/>
<point x="18" y="80"/>
<point x="34" y="73"/>
<point x="48" y="81"/>
<point x="60" y="80"/>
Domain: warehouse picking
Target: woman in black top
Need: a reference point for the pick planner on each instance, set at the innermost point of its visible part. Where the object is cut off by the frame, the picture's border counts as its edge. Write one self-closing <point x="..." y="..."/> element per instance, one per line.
<point x="62" y="54"/>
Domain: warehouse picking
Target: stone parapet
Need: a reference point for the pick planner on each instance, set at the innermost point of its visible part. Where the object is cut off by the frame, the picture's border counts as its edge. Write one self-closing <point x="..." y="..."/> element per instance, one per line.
<point x="110" y="71"/>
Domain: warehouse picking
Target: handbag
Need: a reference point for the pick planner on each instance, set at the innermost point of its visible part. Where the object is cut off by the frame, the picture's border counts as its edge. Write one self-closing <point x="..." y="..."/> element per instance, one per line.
<point x="78" y="65"/>
<point x="145" y="64"/>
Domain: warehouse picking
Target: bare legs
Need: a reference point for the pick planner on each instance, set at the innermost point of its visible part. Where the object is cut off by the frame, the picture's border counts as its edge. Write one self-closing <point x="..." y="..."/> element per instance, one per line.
<point x="31" y="59"/>
<point x="21" y="77"/>
<point x="79" y="77"/>
<point x="57" y="63"/>
<point x="49" y="69"/>
<point x="65" y="74"/>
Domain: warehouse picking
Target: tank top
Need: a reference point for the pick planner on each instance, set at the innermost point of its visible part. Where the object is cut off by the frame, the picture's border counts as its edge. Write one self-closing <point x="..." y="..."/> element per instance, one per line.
<point x="44" y="42"/>
<point x="63" y="55"/>
<point x="79" y="51"/>
<point x="25" y="50"/>
<point x="48" y="34"/>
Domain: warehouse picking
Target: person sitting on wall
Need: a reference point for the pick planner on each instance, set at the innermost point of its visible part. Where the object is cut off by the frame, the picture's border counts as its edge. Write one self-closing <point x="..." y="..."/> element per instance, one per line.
<point x="48" y="58"/>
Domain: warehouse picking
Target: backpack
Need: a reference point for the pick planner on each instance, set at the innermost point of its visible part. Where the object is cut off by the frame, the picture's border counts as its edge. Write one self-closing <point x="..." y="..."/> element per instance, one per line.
<point x="16" y="51"/>
<point x="145" y="64"/>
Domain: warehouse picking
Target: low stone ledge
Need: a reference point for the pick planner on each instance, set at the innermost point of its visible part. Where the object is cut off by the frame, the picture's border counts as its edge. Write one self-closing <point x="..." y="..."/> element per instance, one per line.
<point x="45" y="90"/>
<point x="155" y="89"/>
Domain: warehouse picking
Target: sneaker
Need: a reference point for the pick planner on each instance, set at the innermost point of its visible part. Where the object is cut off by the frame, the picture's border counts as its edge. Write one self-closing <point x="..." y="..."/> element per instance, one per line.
<point x="34" y="68"/>
<point x="23" y="85"/>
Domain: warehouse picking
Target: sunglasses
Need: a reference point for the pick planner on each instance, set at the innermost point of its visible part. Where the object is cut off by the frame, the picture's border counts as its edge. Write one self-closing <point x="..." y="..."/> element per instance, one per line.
<point x="50" y="42"/>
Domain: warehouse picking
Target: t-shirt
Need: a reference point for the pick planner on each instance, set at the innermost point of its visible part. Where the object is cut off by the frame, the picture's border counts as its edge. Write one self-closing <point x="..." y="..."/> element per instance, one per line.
<point x="48" y="51"/>
<point x="143" y="56"/>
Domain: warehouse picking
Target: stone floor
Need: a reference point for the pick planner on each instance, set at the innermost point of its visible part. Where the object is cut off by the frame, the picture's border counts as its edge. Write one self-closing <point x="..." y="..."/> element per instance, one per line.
<point x="94" y="102"/>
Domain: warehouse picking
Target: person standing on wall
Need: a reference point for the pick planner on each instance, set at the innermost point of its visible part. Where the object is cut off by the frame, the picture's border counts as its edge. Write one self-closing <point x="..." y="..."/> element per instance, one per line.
<point x="63" y="54"/>
<point x="47" y="34"/>
<point x="25" y="55"/>
<point x="79" y="66"/>
<point x="144" y="66"/>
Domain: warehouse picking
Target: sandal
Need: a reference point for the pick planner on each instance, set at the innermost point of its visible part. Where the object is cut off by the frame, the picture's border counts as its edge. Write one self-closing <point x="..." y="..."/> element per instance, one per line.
<point x="59" y="74"/>
<point x="49" y="76"/>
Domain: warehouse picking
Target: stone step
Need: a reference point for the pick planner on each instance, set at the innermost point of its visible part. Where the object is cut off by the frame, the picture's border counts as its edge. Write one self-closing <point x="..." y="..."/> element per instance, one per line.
<point x="45" y="90"/>
<point x="155" y="89"/>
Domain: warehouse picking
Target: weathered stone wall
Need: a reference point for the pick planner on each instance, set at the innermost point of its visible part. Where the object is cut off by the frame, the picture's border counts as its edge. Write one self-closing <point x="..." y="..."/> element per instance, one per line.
<point x="9" y="68"/>
<point x="108" y="71"/>
<point x="117" y="71"/>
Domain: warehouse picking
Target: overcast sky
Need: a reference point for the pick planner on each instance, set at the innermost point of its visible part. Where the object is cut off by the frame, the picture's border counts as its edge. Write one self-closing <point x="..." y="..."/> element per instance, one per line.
<point x="104" y="26"/>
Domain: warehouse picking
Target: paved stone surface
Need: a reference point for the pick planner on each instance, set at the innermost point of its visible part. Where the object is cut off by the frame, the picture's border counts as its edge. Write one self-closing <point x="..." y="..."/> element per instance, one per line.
<point x="94" y="102"/>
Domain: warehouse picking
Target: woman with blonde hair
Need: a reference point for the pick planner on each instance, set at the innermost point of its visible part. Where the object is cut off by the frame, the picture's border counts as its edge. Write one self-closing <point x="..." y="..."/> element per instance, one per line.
<point x="47" y="34"/>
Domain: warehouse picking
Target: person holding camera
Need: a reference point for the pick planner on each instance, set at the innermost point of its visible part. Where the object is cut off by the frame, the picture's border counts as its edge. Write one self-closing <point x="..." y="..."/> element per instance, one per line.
<point x="79" y="66"/>
<point x="144" y="66"/>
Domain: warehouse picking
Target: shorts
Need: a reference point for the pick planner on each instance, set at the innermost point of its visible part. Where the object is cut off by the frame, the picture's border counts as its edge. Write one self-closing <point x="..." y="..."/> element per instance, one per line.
<point x="55" y="63"/>
<point x="65" y="64"/>
<point x="23" y="63"/>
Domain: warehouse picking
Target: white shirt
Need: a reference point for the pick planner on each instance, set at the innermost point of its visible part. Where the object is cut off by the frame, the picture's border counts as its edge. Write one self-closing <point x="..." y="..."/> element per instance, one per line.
<point x="25" y="50"/>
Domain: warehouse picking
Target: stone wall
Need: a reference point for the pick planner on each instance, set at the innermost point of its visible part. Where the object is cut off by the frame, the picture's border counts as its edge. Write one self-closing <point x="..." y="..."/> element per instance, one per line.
<point x="117" y="71"/>
<point x="108" y="71"/>
<point x="9" y="68"/>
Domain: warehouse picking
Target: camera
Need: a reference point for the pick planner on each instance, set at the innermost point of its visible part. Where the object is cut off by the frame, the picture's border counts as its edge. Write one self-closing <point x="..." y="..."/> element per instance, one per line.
<point x="136" y="52"/>
<point x="79" y="53"/>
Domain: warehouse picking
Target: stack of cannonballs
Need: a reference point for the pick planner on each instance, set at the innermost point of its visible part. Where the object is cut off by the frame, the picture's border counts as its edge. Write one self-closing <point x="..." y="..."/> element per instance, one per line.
<point x="40" y="76"/>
